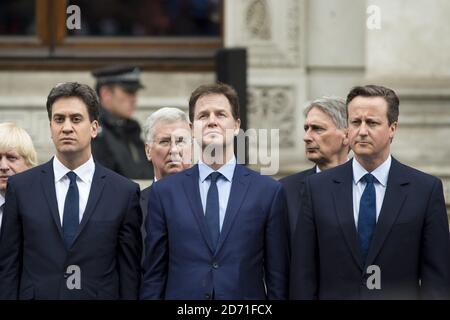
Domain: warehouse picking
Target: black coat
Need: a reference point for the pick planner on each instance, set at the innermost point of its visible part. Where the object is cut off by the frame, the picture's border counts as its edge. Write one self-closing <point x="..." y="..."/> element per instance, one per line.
<point x="293" y="186"/>
<point x="119" y="147"/>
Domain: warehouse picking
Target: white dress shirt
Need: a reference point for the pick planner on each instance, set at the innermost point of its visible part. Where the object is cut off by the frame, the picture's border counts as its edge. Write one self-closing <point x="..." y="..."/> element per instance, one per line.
<point x="2" y="201"/>
<point x="223" y="185"/>
<point x="381" y="173"/>
<point x="85" y="174"/>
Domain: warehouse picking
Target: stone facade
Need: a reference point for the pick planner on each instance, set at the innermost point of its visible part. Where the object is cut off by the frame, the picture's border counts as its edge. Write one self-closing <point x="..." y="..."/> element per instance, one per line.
<point x="299" y="50"/>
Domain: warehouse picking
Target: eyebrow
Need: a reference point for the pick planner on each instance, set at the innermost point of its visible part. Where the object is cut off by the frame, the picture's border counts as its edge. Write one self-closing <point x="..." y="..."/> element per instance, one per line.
<point x="70" y="115"/>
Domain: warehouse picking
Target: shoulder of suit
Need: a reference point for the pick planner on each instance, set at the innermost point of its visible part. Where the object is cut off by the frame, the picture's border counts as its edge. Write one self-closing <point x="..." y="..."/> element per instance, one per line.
<point x="297" y="177"/>
<point x="118" y="179"/>
<point x="415" y="174"/>
<point x="145" y="192"/>
<point x="170" y="181"/>
<point x="27" y="176"/>
<point x="257" y="176"/>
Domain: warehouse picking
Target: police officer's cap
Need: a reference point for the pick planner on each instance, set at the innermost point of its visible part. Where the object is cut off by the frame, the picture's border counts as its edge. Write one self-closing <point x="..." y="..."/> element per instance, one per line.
<point x="124" y="76"/>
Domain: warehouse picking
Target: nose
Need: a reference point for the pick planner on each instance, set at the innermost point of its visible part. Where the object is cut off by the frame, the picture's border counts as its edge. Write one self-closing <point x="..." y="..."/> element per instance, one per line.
<point x="67" y="126"/>
<point x="212" y="120"/>
<point x="307" y="136"/>
<point x="133" y="99"/>
<point x="174" y="147"/>
<point x="3" y="164"/>
<point x="363" y="129"/>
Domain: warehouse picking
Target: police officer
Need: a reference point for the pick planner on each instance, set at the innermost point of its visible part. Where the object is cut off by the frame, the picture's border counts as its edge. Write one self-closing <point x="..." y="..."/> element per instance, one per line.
<point x="118" y="145"/>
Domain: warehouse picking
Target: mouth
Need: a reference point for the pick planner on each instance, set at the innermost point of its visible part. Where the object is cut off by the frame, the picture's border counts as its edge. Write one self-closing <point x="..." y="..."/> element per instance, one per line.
<point x="311" y="149"/>
<point x="174" y="162"/>
<point x="212" y="132"/>
<point x="67" y="140"/>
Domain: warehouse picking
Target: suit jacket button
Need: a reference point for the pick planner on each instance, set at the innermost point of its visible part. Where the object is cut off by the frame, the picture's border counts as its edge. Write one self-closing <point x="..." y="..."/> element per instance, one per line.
<point x="215" y="265"/>
<point x="207" y="296"/>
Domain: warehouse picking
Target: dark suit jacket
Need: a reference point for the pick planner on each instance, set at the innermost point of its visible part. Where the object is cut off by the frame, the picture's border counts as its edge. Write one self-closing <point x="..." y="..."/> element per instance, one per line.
<point x="107" y="247"/>
<point x="410" y="243"/>
<point x="144" y="207"/>
<point x="294" y="186"/>
<point x="144" y="201"/>
<point x="252" y="250"/>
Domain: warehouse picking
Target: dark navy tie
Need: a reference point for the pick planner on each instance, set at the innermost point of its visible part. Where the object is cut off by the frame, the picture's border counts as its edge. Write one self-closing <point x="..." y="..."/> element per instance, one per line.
<point x="367" y="214"/>
<point x="71" y="211"/>
<point x="212" y="208"/>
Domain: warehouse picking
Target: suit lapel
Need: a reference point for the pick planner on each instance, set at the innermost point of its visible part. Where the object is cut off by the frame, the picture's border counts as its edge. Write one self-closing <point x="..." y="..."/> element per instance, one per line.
<point x="343" y="200"/>
<point x="239" y="187"/>
<point x="98" y="183"/>
<point x="191" y="188"/>
<point x="48" y="185"/>
<point x="394" y="197"/>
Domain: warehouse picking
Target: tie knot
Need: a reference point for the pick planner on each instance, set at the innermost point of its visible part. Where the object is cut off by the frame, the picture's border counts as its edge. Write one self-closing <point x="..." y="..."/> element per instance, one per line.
<point x="369" y="178"/>
<point x="214" y="176"/>
<point x="72" y="176"/>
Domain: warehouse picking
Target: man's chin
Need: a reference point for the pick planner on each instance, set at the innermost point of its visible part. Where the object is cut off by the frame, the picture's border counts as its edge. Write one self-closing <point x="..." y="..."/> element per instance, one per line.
<point x="68" y="151"/>
<point x="313" y="158"/>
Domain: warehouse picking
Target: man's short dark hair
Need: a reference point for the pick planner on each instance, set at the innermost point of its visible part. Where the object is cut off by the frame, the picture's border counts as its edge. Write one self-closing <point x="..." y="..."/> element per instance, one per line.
<point x="378" y="91"/>
<point x="215" y="88"/>
<point x="75" y="89"/>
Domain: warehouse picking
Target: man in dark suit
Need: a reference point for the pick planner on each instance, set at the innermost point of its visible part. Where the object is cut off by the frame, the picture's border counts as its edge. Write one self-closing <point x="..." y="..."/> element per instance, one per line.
<point x="372" y="228"/>
<point x="168" y="145"/>
<point x="326" y="144"/>
<point x="217" y="230"/>
<point x="71" y="228"/>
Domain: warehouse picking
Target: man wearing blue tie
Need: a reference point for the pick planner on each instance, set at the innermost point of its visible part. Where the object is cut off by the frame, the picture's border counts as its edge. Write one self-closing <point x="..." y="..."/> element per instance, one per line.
<point x="71" y="228"/>
<point x="372" y="228"/>
<point x="217" y="230"/>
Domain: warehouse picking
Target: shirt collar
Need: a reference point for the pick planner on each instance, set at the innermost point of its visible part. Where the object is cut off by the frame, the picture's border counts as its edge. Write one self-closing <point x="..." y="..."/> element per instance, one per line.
<point x="227" y="170"/>
<point x="2" y="200"/>
<point x="85" y="172"/>
<point x="381" y="173"/>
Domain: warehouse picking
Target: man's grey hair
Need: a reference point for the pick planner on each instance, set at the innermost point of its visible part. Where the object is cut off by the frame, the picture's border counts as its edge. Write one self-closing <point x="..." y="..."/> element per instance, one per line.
<point x="166" y="114"/>
<point x="333" y="106"/>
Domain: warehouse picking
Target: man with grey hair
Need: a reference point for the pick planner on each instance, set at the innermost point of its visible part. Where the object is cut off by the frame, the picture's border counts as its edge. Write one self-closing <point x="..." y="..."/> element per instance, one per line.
<point x="167" y="135"/>
<point x="326" y="144"/>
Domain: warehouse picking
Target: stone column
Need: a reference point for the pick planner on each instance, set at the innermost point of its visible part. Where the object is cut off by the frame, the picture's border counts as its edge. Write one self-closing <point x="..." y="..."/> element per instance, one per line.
<point x="410" y="53"/>
<point x="273" y="33"/>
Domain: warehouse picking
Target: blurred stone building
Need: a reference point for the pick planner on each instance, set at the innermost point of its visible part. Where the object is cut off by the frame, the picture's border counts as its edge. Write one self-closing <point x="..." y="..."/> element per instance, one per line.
<point x="298" y="50"/>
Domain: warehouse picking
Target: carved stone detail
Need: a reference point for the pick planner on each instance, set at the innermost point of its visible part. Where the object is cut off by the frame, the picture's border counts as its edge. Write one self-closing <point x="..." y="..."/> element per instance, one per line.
<point x="272" y="107"/>
<point x="272" y="30"/>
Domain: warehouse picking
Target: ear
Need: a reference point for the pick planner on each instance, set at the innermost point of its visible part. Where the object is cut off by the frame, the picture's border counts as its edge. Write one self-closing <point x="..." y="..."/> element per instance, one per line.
<point x="51" y="131"/>
<point x="104" y="92"/>
<point x="148" y="150"/>
<point x="237" y="126"/>
<point x="94" y="129"/>
<point x="345" y="140"/>
<point x="392" y="130"/>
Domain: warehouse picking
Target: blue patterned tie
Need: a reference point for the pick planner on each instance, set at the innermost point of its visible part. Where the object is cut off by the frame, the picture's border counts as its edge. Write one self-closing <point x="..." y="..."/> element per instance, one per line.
<point x="367" y="214"/>
<point x="71" y="211"/>
<point x="212" y="208"/>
